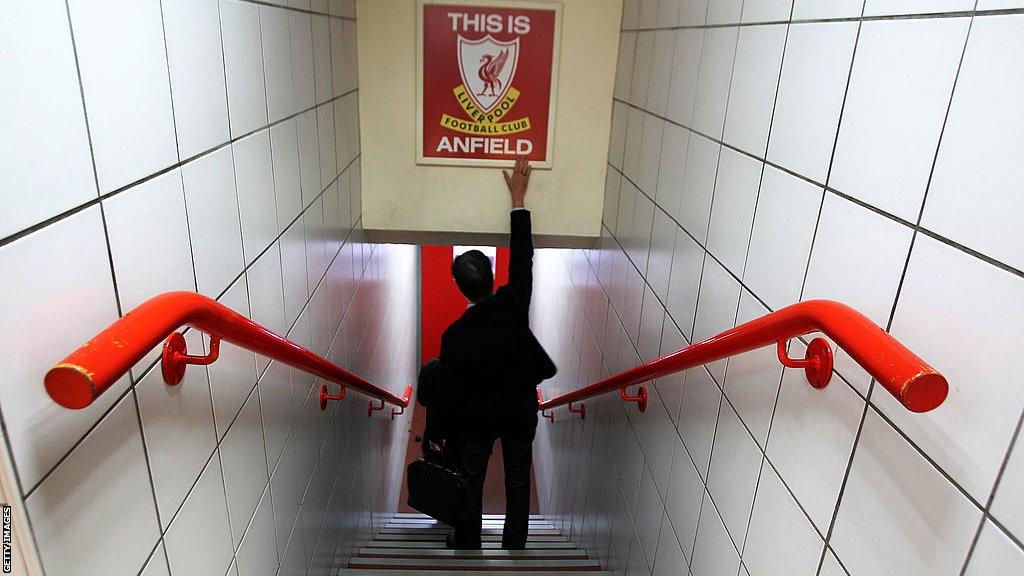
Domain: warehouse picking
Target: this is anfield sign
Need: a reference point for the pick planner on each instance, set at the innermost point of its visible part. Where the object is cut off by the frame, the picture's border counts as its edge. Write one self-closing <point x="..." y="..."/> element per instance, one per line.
<point x="487" y="75"/>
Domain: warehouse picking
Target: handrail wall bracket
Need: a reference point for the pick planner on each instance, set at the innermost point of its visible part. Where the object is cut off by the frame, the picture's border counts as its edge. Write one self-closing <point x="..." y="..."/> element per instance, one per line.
<point x="817" y="362"/>
<point x="175" y="357"/>
<point x="325" y="397"/>
<point x="640" y="398"/>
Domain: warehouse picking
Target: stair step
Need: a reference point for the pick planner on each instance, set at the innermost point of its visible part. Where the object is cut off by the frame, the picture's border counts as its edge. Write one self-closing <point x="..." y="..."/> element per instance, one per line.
<point x="487" y="553"/>
<point x="438" y="544"/>
<point x="416" y="523"/>
<point x="441" y="529"/>
<point x="474" y="572"/>
<point x="533" y="564"/>
<point x="463" y="572"/>
<point x="440" y="537"/>
<point x="485" y="516"/>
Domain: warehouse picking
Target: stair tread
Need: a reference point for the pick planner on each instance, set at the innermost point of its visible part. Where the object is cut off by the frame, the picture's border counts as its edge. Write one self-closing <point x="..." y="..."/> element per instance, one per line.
<point x="486" y="553"/>
<point x="442" y="529"/>
<point x="485" y="516"/>
<point x="438" y="544"/>
<point x="477" y="562"/>
<point x="471" y="572"/>
<point x="440" y="536"/>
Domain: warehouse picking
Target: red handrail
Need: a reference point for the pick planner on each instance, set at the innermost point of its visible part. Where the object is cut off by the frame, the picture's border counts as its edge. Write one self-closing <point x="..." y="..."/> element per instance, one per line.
<point x="913" y="382"/>
<point x="89" y="371"/>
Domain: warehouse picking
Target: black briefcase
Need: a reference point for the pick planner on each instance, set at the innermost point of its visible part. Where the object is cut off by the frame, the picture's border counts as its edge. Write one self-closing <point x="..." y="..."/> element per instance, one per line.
<point x="438" y="492"/>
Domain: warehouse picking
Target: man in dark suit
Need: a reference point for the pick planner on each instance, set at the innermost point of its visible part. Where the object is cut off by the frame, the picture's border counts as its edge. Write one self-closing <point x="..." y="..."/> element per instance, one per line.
<point x="494" y="361"/>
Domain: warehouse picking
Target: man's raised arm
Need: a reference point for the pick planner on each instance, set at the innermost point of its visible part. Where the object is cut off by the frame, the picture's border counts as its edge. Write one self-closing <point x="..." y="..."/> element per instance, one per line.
<point x="520" y="264"/>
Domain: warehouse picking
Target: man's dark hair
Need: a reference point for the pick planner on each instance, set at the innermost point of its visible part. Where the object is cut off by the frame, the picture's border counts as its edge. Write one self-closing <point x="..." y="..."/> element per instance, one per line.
<point x="473" y="276"/>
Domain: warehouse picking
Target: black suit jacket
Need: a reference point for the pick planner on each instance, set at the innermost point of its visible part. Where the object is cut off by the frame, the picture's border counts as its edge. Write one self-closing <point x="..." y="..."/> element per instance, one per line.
<point x="490" y="355"/>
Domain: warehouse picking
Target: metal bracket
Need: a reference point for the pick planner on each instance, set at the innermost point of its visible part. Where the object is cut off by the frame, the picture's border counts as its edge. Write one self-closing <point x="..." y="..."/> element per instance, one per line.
<point x="370" y="408"/>
<point x="817" y="363"/>
<point x="640" y="398"/>
<point x="324" y="396"/>
<point x="175" y="358"/>
<point x="544" y="413"/>
<point x="582" y="410"/>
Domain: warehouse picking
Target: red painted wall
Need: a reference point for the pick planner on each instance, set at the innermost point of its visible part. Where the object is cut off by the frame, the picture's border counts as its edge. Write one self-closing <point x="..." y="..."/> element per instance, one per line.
<point x="442" y="301"/>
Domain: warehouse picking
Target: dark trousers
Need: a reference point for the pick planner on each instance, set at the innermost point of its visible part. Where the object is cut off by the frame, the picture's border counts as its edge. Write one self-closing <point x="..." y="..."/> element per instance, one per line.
<point x="517" y="453"/>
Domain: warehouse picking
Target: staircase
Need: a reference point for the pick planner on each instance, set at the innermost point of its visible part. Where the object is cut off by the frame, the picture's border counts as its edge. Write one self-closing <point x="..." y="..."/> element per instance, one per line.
<point x="414" y="542"/>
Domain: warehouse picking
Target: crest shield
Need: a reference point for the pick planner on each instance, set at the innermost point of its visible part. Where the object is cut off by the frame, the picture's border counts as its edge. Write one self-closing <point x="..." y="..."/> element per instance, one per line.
<point x="487" y="67"/>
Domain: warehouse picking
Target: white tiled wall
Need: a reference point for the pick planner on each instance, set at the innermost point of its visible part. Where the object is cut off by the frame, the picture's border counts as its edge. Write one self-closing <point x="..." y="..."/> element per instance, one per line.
<point x="210" y="146"/>
<point x="847" y="150"/>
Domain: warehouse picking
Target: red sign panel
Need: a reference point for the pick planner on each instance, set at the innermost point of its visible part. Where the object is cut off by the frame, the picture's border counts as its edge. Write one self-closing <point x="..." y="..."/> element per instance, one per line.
<point x="487" y="80"/>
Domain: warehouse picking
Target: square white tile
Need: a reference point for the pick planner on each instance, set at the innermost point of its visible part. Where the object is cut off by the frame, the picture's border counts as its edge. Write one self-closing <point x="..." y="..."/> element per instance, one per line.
<point x="277" y="62"/>
<point x="649" y="514"/>
<point x="732" y="478"/>
<point x="72" y="282"/>
<point x="245" y="466"/>
<point x="1008" y="504"/>
<point x="716" y="308"/>
<point x="233" y="375"/>
<point x="752" y="380"/>
<point x="258" y="553"/>
<point x="698" y="185"/>
<point x="634" y="141"/>
<point x="661" y="71"/>
<point x="814" y="73"/>
<point x="196" y="64"/>
<point x="755" y="79"/>
<point x="641" y="68"/>
<point x="198" y="540"/>
<point x="243" y="66"/>
<point x="650" y="155"/>
<point x="100" y="491"/>
<point x="898" y="513"/>
<point x="300" y="32"/>
<point x="776" y="513"/>
<point x="284" y="148"/>
<point x="254" y="177"/>
<point x="813" y="9"/>
<point x="732" y="209"/>
<point x="713" y="552"/>
<point x="724" y="11"/>
<point x="266" y="291"/>
<point x="45" y="145"/>
<point x="669" y="559"/>
<point x="852" y="242"/>
<point x="328" y="154"/>
<point x="651" y="317"/>
<point x="780" y="242"/>
<point x="969" y="434"/>
<point x="698" y="416"/>
<point x="684" y="282"/>
<point x="973" y="198"/>
<point x="123" y="66"/>
<point x="309" y="156"/>
<point x="766" y="10"/>
<point x="995" y="553"/>
<point x="693" y="12"/>
<point x="886" y="7"/>
<point x="322" y="77"/>
<point x="812" y="435"/>
<point x="659" y="266"/>
<point x="278" y="413"/>
<point x="716" y="64"/>
<point x="148" y="232"/>
<point x="674" y="143"/>
<point x="685" y="68"/>
<point x="214" y="229"/>
<point x="895" y="106"/>
<point x="177" y="422"/>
